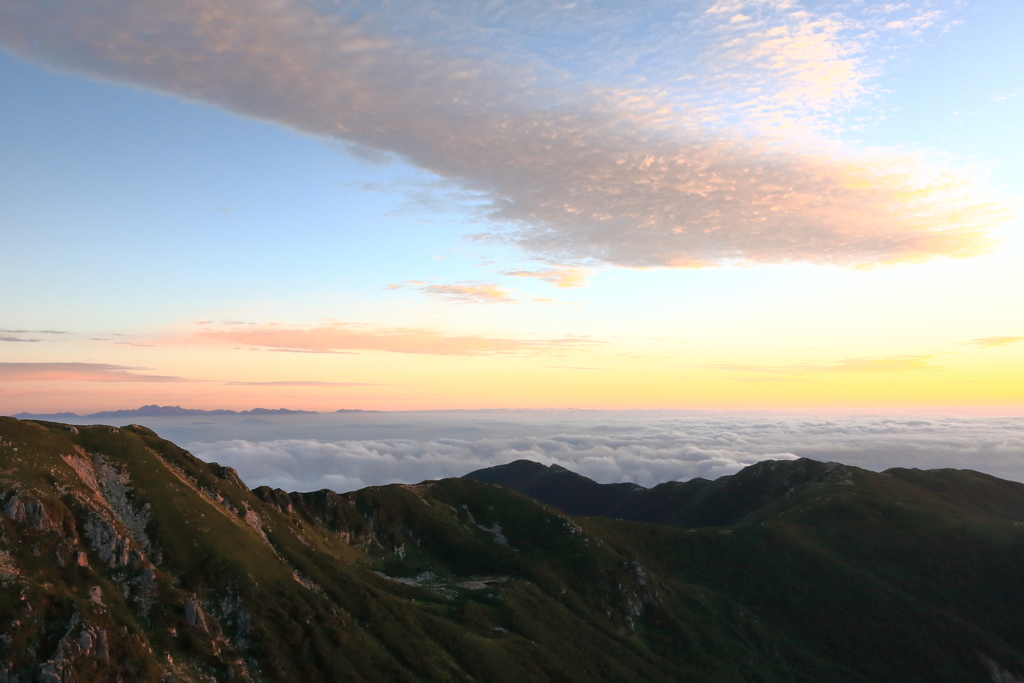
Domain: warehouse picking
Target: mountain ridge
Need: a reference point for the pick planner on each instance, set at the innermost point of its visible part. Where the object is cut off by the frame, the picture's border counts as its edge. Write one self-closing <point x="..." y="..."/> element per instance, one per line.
<point x="174" y="411"/>
<point x="124" y="557"/>
<point x="701" y="502"/>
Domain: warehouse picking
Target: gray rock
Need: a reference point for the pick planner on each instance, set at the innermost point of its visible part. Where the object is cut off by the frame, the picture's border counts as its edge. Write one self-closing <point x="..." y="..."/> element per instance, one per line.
<point x="50" y="672"/>
<point x="194" y="614"/>
<point x="85" y="641"/>
<point x="29" y="510"/>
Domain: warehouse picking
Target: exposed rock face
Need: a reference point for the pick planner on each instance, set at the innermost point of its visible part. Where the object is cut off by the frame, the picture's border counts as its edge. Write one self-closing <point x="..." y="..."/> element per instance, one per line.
<point x="81" y="646"/>
<point x="8" y="567"/>
<point x="998" y="673"/>
<point x="109" y="545"/>
<point x="30" y="510"/>
<point x="194" y="614"/>
<point x="255" y="522"/>
<point x="230" y="475"/>
<point x="111" y="494"/>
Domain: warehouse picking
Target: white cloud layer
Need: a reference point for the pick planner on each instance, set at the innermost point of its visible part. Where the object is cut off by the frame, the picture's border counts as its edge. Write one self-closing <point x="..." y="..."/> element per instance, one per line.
<point x="589" y="133"/>
<point x="614" y="447"/>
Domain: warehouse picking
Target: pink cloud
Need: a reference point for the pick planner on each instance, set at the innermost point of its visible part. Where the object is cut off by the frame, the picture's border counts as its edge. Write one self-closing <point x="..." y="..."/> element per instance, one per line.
<point x="340" y="337"/>
<point x="303" y="383"/>
<point x="461" y="292"/>
<point x="621" y="176"/>
<point x="559" y="277"/>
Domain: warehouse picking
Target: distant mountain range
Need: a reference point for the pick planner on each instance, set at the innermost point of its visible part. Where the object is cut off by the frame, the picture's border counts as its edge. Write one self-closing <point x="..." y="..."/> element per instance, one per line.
<point x="173" y="411"/>
<point x="125" y="558"/>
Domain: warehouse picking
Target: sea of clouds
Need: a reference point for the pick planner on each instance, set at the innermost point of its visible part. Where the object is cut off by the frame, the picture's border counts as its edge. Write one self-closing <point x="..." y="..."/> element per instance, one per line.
<point x="350" y="451"/>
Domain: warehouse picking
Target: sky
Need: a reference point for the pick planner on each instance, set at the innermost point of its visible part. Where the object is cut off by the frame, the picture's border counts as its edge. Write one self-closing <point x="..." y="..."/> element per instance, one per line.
<point x="415" y="205"/>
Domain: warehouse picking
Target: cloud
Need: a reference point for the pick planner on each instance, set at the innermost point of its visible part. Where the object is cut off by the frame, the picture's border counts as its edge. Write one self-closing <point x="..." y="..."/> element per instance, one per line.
<point x="341" y="337"/>
<point x="461" y="292"/>
<point x="15" y="336"/>
<point x="349" y="465"/>
<point x="77" y="372"/>
<point x="559" y="277"/>
<point x="593" y="148"/>
<point x="615" y="446"/>
<point x="782" y="63"/>
<point x="888" y="364"/>
<point x="34" y="332"/>
<point x="304" y="383"/>
<point x="989" y="342"/>
<point x="883" y="364"/>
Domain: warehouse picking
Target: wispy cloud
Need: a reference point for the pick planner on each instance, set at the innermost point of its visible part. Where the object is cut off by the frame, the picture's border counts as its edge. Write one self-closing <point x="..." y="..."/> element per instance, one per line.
<point x="569" y="168"/>
<point x="461" y="292"/>
<point x="340" y="337"/>
<point x="857" y="365"/>
<point x="989" y="342"/>
<point x="886" y="364"/>
<point x="17" y="336"/>
<point x="77" y="372"/>
<point x="303" y="383"/>
<point x="34" y="332"/>
<point x="560" y="277"/>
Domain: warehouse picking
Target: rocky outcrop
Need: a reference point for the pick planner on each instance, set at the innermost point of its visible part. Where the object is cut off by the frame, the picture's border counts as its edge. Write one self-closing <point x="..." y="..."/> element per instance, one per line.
<point x="8" y="567"/>
<point x="23" y="509"/>
<point x="111" y="547"/>
<point x="998" y="673"/>
<point x="230" y="475"/>
<point x="254" y="521"/>
<point x="194" y="615"/>
<point x="79" y="645"/>
<point x="111" y="494"/>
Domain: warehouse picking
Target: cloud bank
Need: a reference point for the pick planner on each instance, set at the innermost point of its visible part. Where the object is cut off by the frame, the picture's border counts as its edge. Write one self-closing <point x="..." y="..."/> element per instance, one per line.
<point x="349" y="465"/>
<point x="590" y="134"/>
<point x="614" y="447"/>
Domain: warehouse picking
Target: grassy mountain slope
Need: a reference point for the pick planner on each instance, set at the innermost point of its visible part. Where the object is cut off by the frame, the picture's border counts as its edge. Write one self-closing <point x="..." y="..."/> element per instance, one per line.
<point x="123" y="557"/>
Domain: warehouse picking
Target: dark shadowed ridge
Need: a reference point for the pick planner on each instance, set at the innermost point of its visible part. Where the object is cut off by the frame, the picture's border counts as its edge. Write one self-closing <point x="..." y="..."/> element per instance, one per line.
<point x="558" y="486"/>
<point x="735" y="498"/>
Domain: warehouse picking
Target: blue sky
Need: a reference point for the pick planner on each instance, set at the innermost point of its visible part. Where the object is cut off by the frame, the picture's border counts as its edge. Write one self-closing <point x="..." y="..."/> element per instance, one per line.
<point x="163" y="187"/>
